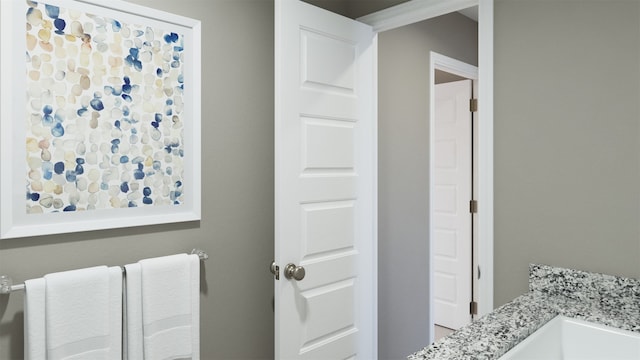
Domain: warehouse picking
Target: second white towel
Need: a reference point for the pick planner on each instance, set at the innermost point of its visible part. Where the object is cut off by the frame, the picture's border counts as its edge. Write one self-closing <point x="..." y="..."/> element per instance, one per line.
<point x="163" y="308"/>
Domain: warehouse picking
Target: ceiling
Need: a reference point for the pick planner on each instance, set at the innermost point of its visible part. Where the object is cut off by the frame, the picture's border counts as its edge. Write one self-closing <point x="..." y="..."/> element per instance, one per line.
<point x="471" y="13"/>
<point x="354" y="8"/>
<point x="357" y="8"/>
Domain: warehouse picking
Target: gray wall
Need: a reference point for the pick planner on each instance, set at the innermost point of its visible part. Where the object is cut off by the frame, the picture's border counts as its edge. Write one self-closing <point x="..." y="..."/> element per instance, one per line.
<point x="403" y="174"/>
<point x="567" y="138"/>
<point x="572" y="157"/>
<point x="237" y="195"/>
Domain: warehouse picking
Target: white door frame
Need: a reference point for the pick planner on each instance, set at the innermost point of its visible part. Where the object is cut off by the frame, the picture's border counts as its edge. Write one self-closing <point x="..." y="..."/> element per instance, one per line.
<point x="452" y="66"/>
<point x="419" y="10"/>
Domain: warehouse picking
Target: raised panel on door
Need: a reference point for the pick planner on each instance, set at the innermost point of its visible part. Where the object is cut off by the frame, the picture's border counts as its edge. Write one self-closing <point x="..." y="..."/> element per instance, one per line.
<point x="327" y="228"/>
<point x="317" y="134"/>
<point x="324" y="175"/>
<point x="335" y="72"/>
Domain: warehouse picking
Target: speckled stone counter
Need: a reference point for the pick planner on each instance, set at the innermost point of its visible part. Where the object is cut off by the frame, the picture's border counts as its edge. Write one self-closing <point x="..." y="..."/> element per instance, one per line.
<point x="603" y="299"/>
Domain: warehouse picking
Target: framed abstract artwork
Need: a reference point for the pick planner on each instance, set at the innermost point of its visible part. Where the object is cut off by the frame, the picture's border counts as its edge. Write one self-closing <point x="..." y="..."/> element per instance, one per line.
<point x="100" y="117"/>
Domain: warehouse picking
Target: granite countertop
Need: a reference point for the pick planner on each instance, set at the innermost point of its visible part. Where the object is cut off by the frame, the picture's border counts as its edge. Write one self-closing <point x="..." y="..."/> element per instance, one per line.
<point x="602" y="299"/>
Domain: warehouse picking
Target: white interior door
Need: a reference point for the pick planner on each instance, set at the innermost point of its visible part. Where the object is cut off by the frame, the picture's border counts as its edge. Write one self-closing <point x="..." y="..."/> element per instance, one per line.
<point x="451" y="217"/>
<point x="325" y="219"/>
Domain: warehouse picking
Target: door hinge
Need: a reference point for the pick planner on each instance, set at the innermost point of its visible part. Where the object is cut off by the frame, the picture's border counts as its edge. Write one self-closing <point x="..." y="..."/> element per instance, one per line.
<point x="473" y="105"/>
<point x="473" y="308"/>
<point x="275" y="270"/>
<point x="473" y="206"/>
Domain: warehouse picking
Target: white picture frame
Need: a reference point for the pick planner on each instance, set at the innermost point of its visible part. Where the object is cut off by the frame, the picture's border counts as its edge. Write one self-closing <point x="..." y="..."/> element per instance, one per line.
<point x="44" y="194"/>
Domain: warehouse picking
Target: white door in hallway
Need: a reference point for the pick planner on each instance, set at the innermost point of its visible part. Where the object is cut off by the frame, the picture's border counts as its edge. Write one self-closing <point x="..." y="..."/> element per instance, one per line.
<point x="324" y="184"/>
<point x="451" y="216"/>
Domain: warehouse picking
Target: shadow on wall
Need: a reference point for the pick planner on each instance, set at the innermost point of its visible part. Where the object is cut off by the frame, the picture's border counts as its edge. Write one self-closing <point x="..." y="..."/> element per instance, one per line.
<point x="204" y="287"/>
<point x="97" y="235"/>
<point x="16" y="325"/>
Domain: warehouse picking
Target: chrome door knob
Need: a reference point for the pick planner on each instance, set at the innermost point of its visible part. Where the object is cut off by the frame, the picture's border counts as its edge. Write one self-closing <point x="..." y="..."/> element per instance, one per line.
<point x="294" y="272"/>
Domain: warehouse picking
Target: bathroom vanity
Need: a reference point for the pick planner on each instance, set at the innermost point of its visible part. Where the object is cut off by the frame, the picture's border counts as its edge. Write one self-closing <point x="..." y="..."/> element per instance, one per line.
<point x="597" y="299"/>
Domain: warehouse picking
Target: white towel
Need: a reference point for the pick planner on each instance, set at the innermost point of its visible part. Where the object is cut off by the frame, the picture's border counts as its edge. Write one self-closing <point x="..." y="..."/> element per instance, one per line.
<point x="84" y="314"/>
<point x="168" y="302"/>
<point x="35" y="347"/>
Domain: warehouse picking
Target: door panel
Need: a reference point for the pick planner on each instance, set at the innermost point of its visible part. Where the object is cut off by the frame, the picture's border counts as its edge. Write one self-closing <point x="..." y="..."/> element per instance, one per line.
<point x="327" y="227"/>
<point x="317" y="133"/>
<point x="324" y="164"/>
<point x="451" y="217"/>
<point x="334" y="71"/>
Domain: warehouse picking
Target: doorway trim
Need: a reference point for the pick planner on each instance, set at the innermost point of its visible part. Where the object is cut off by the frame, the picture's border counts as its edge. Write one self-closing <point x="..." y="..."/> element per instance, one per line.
<point x="418" y="10"/>
<point x="413" y="11"/>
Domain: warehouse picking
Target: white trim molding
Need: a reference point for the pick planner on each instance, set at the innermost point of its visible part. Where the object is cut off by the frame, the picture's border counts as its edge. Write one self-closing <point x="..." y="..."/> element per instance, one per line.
<point x="413" y="11"/>
<point x="485" y="155"/>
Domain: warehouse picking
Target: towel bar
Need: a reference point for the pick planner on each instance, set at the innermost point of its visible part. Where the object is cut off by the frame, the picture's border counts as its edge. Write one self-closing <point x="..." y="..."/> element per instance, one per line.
<point x="7" y="287"/>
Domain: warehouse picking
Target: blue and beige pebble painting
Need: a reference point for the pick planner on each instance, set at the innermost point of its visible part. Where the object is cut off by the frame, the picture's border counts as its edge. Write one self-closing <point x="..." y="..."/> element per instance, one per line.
<point x="104" y="112"/>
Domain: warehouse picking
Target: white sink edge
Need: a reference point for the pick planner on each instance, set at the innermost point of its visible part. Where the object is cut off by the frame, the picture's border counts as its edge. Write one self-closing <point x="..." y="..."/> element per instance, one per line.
<point x="570" y="338"/>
